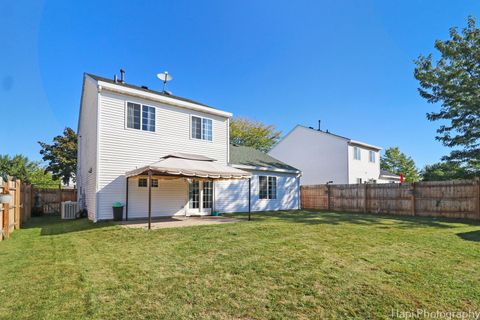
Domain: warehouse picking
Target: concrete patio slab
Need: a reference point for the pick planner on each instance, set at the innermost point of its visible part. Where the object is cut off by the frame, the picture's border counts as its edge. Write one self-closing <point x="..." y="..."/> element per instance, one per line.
<point x="177" y="222"/>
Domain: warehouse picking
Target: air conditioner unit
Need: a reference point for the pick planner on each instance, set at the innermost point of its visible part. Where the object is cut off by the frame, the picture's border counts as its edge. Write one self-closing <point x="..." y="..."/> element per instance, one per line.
<point x="69" y="210"/>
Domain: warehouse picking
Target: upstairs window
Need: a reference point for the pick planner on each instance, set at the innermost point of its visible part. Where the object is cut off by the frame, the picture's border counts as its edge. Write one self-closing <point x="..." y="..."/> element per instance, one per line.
<point x="140" y="117"/>
<point x="267" y="187"/>
<point x="371" y="156"/>
<point x="201" y="128"/>
<point x="356" y="153"/>
<point x="148" y="118"/>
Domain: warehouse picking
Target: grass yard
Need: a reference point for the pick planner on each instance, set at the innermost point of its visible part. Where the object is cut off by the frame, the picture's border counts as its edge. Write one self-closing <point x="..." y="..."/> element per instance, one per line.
<point x="286" y="265"/>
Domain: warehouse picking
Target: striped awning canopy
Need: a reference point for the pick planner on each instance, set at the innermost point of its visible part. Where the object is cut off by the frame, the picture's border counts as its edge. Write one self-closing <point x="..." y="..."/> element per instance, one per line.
<point x="190" y="166"/>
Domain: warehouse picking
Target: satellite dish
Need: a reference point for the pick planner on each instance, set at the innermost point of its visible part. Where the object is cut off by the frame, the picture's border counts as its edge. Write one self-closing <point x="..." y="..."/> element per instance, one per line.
<point x="165" y="77"/>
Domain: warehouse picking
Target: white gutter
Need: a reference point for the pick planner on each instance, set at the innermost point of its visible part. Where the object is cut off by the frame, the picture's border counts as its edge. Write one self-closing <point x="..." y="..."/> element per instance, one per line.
<point x="241" y="166"/>
<point x="359" y="143"/>
<point x="159" y="98"/>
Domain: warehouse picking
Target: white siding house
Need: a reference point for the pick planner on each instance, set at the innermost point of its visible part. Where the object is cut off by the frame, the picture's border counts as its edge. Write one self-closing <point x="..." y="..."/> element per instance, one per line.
<point x="124" y="127"/>
<point x="325" y="157"/>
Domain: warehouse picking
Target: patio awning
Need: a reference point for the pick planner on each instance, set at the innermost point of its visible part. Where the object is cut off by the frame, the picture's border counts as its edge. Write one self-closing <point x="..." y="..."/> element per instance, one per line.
<point x="191" y="166"/>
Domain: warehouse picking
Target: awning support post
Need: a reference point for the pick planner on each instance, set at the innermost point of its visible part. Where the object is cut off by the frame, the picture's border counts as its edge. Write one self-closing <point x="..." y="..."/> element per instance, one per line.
<point x="249" y="198"/>
<point x="149" y="199"/>
<point x="126" y="201"/>
<point x="213" y="197"/>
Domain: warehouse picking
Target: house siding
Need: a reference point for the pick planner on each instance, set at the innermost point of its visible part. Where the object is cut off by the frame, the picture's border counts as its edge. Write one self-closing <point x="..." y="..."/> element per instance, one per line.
<point x="169" y="198"/>
<point x="363" y="168"/>
<point x="122" y="149"/>
<point x="232" y="196"/>
<point x="320" y="156"/>
<point x="87" y="149"/>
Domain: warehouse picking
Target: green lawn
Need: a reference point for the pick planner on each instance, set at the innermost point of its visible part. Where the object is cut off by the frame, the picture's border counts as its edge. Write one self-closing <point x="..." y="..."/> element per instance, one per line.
<point x="280" y="265"/>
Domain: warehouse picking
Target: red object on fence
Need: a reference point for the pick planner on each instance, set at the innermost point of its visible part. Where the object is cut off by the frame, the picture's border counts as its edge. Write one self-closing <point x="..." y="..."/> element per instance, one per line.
<point x="402" y="178"/>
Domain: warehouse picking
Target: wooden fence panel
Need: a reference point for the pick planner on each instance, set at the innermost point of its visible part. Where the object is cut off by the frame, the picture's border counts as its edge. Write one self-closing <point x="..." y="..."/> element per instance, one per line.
<point x="452" y="199"/>
<point x="10" y="212"/>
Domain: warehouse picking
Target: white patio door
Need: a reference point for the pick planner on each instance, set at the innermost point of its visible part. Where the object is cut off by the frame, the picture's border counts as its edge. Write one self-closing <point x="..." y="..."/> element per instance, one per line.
<point x="200" y="198"/>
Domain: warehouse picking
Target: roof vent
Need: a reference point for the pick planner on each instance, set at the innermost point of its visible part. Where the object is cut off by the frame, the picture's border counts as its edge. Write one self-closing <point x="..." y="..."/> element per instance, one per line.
<point x="310" y="127"/>
<point x="122" y="76"/>
<point x="145" y="87"/>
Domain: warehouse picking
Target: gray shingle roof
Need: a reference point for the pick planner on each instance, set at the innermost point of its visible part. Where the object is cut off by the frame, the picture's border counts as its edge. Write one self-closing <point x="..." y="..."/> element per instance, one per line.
<point x="98" y="78"/>
<point x="248" y="156"/>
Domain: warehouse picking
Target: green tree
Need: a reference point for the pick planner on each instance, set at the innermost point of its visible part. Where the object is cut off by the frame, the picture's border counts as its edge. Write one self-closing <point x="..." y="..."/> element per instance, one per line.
<point x="454" y="82"/>
<point x="395" y="161"/>
<point x="20" y="167"/>
<point x="447" y="170"/>
<point x="246" y="132"/>
<point x="61" y="156"/>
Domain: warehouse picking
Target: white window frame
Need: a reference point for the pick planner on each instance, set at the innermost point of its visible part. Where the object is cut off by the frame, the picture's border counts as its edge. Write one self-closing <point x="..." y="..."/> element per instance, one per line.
<point x="141" y="117"/>
<point x="372" y="158"/>
<point x="355" y="148"/>
<point x="268" y="187"/>
<point x="191" y="128"/>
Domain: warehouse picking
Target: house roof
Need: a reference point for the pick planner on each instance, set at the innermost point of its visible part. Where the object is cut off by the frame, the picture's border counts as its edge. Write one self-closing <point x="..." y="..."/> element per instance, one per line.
<point x="350" y="141"/>
<point x="388" y="174"/>
<point x="127" y="85"/>
<point x="247" y="156"/>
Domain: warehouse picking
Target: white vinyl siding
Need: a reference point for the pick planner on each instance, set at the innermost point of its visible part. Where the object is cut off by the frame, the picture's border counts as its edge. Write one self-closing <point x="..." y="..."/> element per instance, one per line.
<point x="232" y="196"/>
<point x="87" y="150"/>
<point x="169" y="198"/>
<point x="123" y="150"/>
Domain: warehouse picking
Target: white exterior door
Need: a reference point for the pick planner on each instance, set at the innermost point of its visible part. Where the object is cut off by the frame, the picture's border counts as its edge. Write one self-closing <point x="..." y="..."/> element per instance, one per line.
<point x="200" y="198"/>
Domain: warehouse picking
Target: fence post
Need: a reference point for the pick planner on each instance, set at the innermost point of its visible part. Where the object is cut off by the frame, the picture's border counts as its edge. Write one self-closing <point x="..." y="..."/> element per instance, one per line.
<point x="414" y="201"/>
<point x="477" y="202"/>
<point x="6" y="211"/>
<point x="328" y="198"/>
<point x="365" y="198"/>
<point x="17" y="204"/>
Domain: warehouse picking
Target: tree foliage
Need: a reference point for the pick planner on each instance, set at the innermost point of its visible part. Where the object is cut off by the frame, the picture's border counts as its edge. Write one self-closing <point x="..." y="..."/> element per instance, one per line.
<point x="454" y="82"/>
<point x="61" y="156"/>
<point x="246" y="132"/>
<point x="395" y="161"/>
<point x="20" y="167"/>
<point x="446" y="170"/>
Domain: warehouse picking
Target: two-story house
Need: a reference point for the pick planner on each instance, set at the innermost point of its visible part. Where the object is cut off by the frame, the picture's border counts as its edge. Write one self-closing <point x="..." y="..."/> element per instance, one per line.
<point x="129" y="135"/>
<point x="324" y="157"/>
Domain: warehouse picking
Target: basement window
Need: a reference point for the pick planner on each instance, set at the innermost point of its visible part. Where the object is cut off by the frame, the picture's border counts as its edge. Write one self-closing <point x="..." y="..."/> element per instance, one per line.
<point x="267" y="187"/>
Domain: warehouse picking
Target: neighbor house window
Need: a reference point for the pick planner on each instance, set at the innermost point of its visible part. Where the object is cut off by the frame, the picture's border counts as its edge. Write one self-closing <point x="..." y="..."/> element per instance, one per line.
<point x="201" y="128"/>
<point x="371" y="156"/>
<point x="140" y="117"/>
<point x="142" y="183"/>
<point x="356" y="153"/>
<point x="267" y="187"/>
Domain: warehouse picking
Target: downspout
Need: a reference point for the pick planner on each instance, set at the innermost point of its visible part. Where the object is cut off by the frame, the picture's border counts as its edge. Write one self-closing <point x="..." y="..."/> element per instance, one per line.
<point x="249" y="198"/>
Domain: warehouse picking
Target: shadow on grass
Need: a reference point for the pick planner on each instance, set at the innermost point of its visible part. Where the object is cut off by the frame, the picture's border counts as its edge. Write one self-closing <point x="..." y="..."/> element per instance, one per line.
<point x="470" y="236"/>
<point x="382" y="221"/>
<point x="53" y="225"/>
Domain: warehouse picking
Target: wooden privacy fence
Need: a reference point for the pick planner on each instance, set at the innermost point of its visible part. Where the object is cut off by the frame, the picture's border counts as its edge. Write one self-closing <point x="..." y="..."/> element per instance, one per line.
<point x="10" y="217"/>
<point x="26" y="197"/>
<point x="451" y="199"/>
<point x="50" y="199"/>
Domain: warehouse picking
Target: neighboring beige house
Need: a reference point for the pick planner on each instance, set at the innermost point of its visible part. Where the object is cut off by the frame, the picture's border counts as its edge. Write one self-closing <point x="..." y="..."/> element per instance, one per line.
<point x="324" y="157"/>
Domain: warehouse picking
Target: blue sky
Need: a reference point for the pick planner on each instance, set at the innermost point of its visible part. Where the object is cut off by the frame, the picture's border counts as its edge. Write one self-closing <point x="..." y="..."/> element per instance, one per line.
<point x="348" y="63"/>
